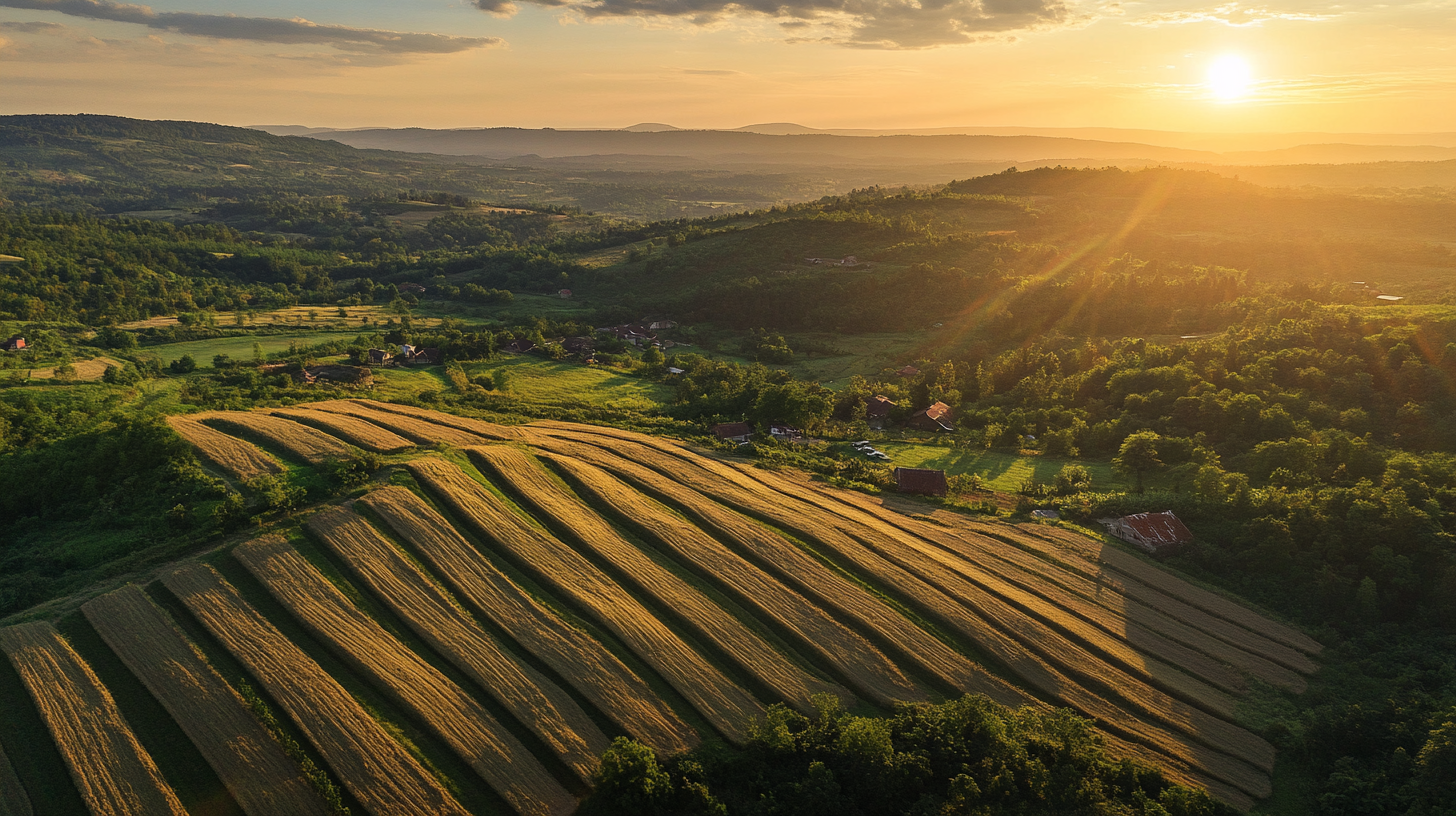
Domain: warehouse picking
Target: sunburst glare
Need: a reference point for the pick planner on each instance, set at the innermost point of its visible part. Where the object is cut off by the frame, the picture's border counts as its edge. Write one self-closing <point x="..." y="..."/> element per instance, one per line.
<point x="1229" y="77"/>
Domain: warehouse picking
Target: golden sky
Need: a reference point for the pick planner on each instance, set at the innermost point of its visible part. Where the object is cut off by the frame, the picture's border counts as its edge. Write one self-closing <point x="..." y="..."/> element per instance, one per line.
<point x="1231" y="67"/>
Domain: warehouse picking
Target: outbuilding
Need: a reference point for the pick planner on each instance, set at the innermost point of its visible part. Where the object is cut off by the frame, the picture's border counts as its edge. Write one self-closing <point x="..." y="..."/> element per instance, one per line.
<point x="924" y="481"/>
<point x="935" y="417"/>
<point x="733" y="431"/>
<point x="1155" y="533"/>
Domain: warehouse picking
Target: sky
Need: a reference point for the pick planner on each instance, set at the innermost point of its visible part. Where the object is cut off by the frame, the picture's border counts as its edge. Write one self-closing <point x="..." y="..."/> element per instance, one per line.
<point x="1231" y="67"/>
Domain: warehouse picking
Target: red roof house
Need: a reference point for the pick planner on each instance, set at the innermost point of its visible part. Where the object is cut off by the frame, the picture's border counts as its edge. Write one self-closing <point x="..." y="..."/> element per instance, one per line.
<point x="936" y="417"/>
<point x="1153" y="532"/>
<point x="921" y="480"/>
<point x="15" y="343"/>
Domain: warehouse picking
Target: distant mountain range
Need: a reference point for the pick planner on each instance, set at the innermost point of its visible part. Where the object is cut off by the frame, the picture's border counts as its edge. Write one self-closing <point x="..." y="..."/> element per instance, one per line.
<point x="792" y="144"/>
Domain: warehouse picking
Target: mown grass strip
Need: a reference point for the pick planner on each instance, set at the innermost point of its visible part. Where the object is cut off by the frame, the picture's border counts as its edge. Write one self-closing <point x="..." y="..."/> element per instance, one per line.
<point x="446" y="710"/>
<point x="724" y="703"/>
<point x="530" y="696"/>
<point x="309" y="444"/>
<point x="241" y="458"/>
<point x="353" y="430"/>
<point x="575" y="656"/>
<point x="378" y="771"/>
<point x="113" y="773"/>
<point x="252" y="765"/>
<point x="524" y="475"/>
<point x="851" y="656"/>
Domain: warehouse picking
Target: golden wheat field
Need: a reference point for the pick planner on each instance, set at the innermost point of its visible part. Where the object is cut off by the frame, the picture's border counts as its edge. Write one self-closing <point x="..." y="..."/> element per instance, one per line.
<point x="466" y="633"/>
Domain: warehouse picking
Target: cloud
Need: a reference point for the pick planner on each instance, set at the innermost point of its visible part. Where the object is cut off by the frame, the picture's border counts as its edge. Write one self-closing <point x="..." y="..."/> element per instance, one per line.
<point x="710" y="72"/>
<point x="261" y="29"/>
<point x="888" y="24"/>
<point x="1229" y="14"/>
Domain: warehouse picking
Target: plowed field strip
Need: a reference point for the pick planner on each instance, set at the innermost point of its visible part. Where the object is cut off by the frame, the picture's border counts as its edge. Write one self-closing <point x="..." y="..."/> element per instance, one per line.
<point x="716" y="697"/>
<point x="13" y="801"/>
<point x="356" y="431"/>
<point x="488" y="430"/>
<point x="113" y="773"/>
<point x="523" y="474"/>
<point x="885" y="624"/>
<point x="247" y="759"/>
<point x="446" y="709"/>
<point x="530" y="696"/>
<point x="1110" y="596"/>
<point x="309" y="444"/>
<point x="1203" y="599"/>
<point x="940" y="568"/>
<point x="382" y="775"/>
<point x="1034" y="575"/>
<point x="1218" y="627"/>
<point x="420" y="431"/>
<point x="854" y="657"/>
<point x="816" y="524"/>
<point x="241" y="458"/>
<point x="576" y="657"/>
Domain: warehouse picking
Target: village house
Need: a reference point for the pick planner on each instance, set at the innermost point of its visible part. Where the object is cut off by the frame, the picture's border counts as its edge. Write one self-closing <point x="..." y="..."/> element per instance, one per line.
<point x="659" y="322"/>
<point x="564" y="294"/>
<point x="877" y="411"/>
<point x="733" y="431"/>
<point x="635" y="333"/>
<point x="424" y="356"/>
<point x="784" y="433"/>
<point x="379" y="356"/>
<point x="1156" y="533"/>
<point x="519" y="346"/>
<point x="578" y="345"/>
<point x="924" y="481"/>
<point x="15" y="343"/>
<point x="936" y="417"/>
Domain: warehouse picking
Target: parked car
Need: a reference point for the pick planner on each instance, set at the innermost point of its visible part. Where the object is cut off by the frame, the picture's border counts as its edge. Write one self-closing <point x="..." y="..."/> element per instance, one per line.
<point x="863" y="443"/>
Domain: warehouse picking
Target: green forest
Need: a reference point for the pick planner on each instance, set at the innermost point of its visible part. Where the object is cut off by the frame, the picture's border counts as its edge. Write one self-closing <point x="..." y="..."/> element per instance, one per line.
<point x="1220" y="346"/>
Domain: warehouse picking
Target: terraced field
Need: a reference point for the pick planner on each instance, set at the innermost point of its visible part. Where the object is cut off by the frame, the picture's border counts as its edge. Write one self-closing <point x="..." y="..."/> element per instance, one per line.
<point x="468" y="637"/>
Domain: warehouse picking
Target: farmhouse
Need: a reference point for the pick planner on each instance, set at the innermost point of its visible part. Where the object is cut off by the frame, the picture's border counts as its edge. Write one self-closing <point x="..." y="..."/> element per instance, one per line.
<point x="635" y="333"/>
<point x="424" y="356"/>
<point x="877" y="410"/>
<point x="733" y="431"/>
<point x="564" y="294"/>
<point x="936" y="417"/>
<point x="784" y="433"/>
<point x="379" y="356"/>
<point x="921" y="480"/>
<point x="15" y="343"/>
<point x="1154" y="532"/>
<point x="658" y="322"/>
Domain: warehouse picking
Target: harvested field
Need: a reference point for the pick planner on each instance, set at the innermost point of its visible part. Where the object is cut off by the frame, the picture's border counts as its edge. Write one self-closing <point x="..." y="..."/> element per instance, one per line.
<point x="886" y="625"/>
<point x="374" y="768"/>
<point x="859" y="662"/>
<point x="446" y="709"/>
<point x="86" y="370"/>
<point x="724" y="703"/>
<point x="523" y="474"/>
<point x="247" y="759"/>
<point x="530" y="696"/>
<point x="310" y="445"/>
<point x="420" y="431"/>
<point x="236" y="456"/>
<point x="13" y="801"/>
<point x="1230" y="761"/>
<point x="356" y="432"/>
<point x="111" y="770"/>
<point x="487" y="430"/>
<point x="592" y="670"/>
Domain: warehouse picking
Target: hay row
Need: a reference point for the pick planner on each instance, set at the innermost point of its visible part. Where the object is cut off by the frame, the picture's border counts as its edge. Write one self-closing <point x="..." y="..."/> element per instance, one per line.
<point x="1215" y="626"/>
<point x="353" y="430"/>
<point x="870" y="613"/>
<point x="444" y="708"/>
<point x="724" y="703"/>
<point x="851" y="655"/>
<point x="112" y="771"/>
<point x="371" y="765"/>
<point x="13" y="801"/>
<point x="1208" y="601"/>
<point x="577" y="658"/>
<point x="818" y="525"/>
<point x="421" y="431"/>
<point x="1145" y="623"/>
<point x="310" y="445"/>
<point x="247" y="759"/>
<point x="530" y="696"/>
<point x="236" y="456"/>
<point x="481" y="428"/>
<point x="524" y="474"/>
<point x="944" y="571"/>
<point x="1032" y="575"/>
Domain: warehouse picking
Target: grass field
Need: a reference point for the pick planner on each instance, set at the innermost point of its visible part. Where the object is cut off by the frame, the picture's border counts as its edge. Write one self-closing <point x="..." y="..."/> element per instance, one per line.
<point x="1001" y="471"/>
<point x="241" y="347"/>
<point x="541" y="381"/>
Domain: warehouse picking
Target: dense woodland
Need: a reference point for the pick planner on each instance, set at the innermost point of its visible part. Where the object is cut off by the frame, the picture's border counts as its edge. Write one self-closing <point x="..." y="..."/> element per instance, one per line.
<point x="1218" y="343"/>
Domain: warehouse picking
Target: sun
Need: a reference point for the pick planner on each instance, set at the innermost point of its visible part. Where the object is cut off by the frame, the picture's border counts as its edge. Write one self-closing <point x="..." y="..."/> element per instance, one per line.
<point x="1229" y="77"/>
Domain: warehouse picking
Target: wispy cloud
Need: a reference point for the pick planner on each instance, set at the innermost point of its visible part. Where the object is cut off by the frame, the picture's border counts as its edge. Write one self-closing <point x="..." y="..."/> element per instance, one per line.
<point x="887" y="24"/>
<point x="1230" y="14"/>
<point x="261" y="29"/>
